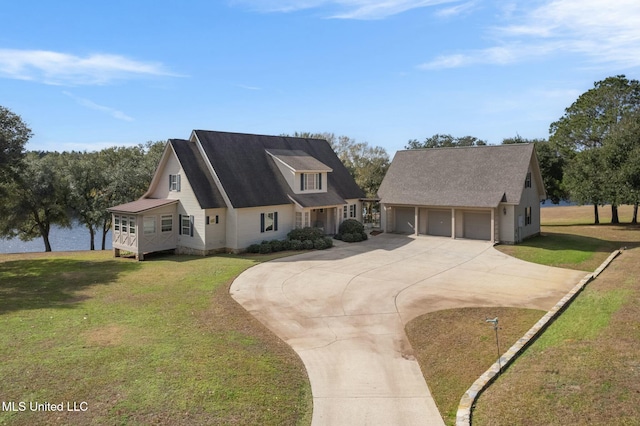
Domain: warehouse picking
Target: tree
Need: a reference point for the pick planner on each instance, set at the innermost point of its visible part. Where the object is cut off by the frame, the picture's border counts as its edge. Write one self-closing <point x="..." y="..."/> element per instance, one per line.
<point x="36" y="198"/>
<point x="365" y="163"/>
<point x="622" y="156"/>
<point x="87" y="185"/>
<point x="551" y="166"/>
<point x="14" y="135"/>
<point x="587" y="122"/>
<point x="585" y="182"/>
<point x="444" y="141"/>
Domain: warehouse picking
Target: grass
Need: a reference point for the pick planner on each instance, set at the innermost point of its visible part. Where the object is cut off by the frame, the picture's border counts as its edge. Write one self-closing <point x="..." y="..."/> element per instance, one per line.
<point x="583" y="370"/>
<point x="155" y="342"/>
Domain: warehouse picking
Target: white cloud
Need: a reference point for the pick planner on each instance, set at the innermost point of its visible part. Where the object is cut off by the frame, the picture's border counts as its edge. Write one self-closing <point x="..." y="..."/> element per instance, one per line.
<point x="65" y="69"/>
<point x="459" y="9"/>
<point x="346" y="9"/>
<point x="92" y="105"/>
<point x="603" y="33"/>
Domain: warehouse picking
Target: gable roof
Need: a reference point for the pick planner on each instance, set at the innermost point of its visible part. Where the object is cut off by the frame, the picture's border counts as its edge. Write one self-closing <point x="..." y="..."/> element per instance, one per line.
<point x="298" y="160"/>
<point x="250" y="176"/>
<point x="459" y="177"/>
<point x="201" y="181"/>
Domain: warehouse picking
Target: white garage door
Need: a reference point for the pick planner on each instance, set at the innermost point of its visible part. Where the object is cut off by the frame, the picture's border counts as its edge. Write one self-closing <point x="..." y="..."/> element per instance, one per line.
<point x="439" y="223"/>
<point x="405" y="218"/>
<point x="477" y="225"/>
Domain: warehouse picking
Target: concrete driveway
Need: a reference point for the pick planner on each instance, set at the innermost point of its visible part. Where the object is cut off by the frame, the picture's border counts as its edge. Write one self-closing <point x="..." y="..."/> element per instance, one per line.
<point x="343" y="311"/>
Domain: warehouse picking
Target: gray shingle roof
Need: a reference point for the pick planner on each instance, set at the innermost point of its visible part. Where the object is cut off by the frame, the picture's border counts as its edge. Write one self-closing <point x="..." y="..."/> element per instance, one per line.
<point x="299" y="160"/>
<point x="250" y="176"/>
<point x="200" y="179"/>
<point x="457" y="177"/>
<point x="322" y="199"/>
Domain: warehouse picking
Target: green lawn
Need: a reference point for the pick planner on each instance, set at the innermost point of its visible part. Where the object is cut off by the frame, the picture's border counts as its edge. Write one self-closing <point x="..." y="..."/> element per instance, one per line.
<point x="154" y="342"/>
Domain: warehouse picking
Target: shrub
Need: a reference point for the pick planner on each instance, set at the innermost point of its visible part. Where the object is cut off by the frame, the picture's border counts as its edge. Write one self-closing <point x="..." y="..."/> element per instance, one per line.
<point x="307" y="245"/>
<point x="305" y="234"/>
<point x="350" y="226"/>
<point x="365" y="237"/>
<point x="265" y="248"/>
<point x="295" y="244"/>
<point x="348" y="238"/>
<point x="319" y="244"/>
<point x="337" y="237"/>
<point x="253" y="248"/>
<point x="276" y="246"/>
<point x="328" y="242"/>
<point x="286" y="244"/>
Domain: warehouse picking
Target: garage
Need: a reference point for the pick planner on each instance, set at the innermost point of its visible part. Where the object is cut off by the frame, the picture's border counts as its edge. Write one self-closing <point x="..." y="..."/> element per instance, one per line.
<point x="405" y="218"/>
<point x="439" y="223"/>
<point x="477" y="225"/>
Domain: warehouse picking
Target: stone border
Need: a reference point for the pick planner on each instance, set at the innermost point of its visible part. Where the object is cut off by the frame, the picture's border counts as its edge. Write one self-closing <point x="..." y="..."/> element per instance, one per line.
<point x="463" y="416"/>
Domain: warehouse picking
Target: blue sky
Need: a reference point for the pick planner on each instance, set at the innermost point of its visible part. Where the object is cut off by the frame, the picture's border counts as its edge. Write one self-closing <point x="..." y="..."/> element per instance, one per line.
<point x="86" y="75"/>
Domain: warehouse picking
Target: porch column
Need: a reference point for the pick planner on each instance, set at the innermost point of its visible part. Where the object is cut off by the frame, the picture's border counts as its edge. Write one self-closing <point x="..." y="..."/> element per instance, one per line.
<point x="415" y="221"/>
<point x="116" y="252"/>
<point x="453" y="223"/>
<point x="493" y="225"/>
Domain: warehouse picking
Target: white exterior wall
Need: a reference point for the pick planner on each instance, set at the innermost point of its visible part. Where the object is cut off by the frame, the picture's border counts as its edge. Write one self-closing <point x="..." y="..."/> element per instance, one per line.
<point x="288" y="174"/>
<point x="358" y="204"/>
<point x="248" y="225"/>
<point x="508" y="223"/>
<point x="530" y="198"/>
<point x="215" y="234"/>
<point x="160" y="240"/>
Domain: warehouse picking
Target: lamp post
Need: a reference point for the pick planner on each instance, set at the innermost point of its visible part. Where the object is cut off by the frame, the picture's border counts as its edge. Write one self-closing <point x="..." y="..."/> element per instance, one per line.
<point x="494" y="321"/>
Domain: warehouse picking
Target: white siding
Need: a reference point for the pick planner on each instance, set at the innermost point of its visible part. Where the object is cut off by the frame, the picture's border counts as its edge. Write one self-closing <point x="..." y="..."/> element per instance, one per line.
<point x="160" y="240"/>
<point x="530" y="198"/>
<point x="508" y="223"/>
<point x="216" y="232"/>
<point x="248" y="224"/>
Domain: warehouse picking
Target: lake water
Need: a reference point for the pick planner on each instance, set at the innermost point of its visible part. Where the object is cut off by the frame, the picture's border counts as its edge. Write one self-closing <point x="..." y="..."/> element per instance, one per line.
<point x="61" y="239"/>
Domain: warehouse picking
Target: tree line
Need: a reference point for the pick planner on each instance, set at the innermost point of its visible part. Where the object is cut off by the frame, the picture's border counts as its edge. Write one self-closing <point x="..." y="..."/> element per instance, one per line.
<point x="41" y="189"/>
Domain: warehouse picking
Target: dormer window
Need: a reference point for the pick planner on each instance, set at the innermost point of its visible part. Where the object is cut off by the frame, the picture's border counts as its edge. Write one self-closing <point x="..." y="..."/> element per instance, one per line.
<point x="527" y="181"/>
<point x="310" y="181"/>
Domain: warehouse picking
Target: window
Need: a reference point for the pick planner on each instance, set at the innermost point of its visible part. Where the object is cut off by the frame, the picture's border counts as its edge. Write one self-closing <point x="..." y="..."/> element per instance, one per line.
<point x="132" y="225"/>
<point x="149" y="225"/>
<point x="217" y="219"/>
<point x="527" y="181"/>
<point x="166" y="223"/>
<point x="344" y="212"/>
<point x="310" y="181"/>
<point x="116" y="223"/>
<point x="268" y="222"/>
<point x="298" y="220"/>
<point x="352" y="210"/>
<point x="174" y="183"/>
<point x="125" y="228"/>
<point x="307" y="221"/>
<point x="208" y="220"/>
<point x="527" y="216"/>
<point x="186" y="225"/>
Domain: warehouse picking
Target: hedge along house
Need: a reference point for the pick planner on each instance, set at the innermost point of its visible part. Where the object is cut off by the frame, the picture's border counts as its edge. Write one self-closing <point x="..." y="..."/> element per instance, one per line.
<point x="223" y="191"/>
<point x="490" y="193"/>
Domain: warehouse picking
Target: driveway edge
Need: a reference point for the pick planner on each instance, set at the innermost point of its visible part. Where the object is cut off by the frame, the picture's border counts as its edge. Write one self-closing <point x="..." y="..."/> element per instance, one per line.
<point x="463" y="416"/>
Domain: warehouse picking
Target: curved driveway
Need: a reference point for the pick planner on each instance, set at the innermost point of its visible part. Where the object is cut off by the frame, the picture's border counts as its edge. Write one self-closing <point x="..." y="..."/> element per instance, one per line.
<point x="343" y="311"/>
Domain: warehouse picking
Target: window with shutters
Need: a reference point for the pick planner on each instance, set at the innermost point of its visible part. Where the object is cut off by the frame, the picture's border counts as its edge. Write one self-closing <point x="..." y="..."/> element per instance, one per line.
<point x="268" y="222"/>
<point x="174" y="183"/>
<point x="311" y="181"/>
<point x="185" y="226"/>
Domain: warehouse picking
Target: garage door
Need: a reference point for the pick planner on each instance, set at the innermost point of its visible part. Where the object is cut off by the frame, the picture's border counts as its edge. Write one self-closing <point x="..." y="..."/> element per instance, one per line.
<point x="477" y="225"/>
<point x="439" y="223"/>
<point x="405" y="216"/>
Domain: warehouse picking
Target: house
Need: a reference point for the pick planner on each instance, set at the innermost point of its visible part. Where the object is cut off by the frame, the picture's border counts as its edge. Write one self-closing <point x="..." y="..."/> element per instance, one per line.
<point x="223" y="191"/>
<point x="488" y="193"/>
